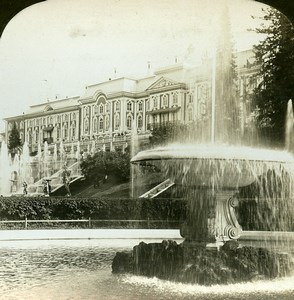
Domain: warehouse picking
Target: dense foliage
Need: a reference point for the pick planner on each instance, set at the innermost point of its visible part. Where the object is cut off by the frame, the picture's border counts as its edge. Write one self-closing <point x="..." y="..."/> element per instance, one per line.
<point x="14" y="141"/>
<point x="101" y="164"/>
<point x="165" y="133"/>
<point x="275" y="55"/>
<point x="67" y="208"/>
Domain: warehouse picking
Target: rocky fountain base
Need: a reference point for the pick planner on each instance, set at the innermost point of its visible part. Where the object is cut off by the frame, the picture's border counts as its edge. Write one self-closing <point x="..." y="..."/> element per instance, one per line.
<point x="197" y="264"/>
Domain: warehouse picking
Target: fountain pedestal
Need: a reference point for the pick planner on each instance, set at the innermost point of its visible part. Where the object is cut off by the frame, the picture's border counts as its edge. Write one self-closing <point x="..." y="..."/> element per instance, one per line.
<point x="211" y="217"/>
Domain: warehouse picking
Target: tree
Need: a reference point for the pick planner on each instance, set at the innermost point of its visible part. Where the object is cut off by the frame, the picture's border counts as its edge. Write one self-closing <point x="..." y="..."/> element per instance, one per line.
<point x="14" y="141"/>
<point x="275" y="55"/>
<point x="102" y="164"/>
<point x="168" y="133"/>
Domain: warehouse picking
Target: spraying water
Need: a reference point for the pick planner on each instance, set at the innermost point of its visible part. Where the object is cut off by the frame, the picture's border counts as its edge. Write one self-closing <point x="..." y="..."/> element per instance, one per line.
<point x="289" y="126"/>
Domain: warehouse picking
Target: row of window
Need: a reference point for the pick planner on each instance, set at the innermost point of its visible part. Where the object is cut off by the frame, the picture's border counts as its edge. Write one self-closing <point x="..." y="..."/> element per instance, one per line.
<point x="101" y="124"/>
<point x="65" y="133"/>
<point x="52" y="119"/>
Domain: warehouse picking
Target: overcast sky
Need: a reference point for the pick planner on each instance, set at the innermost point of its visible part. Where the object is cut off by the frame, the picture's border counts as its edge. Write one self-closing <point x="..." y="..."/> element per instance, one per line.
<point x="56" y="48"/>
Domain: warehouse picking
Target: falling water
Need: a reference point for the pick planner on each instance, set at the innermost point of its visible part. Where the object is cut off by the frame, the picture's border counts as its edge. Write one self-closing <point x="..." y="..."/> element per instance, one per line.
<point x="289" y="126"/>
<point x="25" y="170"/>
<point x="5" y="170"/>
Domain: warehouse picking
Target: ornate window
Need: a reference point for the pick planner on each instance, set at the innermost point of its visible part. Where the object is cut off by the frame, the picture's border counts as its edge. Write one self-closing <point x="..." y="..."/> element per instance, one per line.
<point x="140" y="122"/>
<point x="86" y="126"/>
<point x="117" y="106"/>
<point x="101" y="109"/>
<point x="129" y="122"/>
<point x="95" y="125"/>
<point x="65" y="135"/>
<point x="175" y="98"/>
<point x="101" y="124"/>
<point x="73" y="132"/>
<point x="164" y="100"/>
<point x="116" y="122"/>
<point x="36" y="136"/>
<point x="129" y="106"/>
<point x="107" y="123"/>
<point x="148" y="104"/>
<point x="155" y="102"/>
<point x="140" y="106"/>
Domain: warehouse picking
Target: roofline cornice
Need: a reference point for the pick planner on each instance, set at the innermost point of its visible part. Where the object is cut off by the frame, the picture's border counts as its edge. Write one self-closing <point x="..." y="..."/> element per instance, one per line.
<point x="136" y="95"/>
<point x="42" y="113"/>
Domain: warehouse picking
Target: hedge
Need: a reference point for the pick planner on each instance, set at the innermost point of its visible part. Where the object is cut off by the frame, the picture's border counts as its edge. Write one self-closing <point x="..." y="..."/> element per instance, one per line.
<point x="65" y="208"/>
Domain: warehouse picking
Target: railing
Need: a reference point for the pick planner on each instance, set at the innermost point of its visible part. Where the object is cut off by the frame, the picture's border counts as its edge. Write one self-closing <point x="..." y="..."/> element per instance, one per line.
<point x="89" y="222"/>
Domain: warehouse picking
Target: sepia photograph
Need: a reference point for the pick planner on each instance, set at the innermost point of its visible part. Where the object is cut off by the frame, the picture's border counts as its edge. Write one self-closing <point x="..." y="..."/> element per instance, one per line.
<point x="146" y="149"/>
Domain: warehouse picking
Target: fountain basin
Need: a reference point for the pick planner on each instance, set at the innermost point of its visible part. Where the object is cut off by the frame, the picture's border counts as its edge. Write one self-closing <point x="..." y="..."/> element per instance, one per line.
<point x="215" y="165"/>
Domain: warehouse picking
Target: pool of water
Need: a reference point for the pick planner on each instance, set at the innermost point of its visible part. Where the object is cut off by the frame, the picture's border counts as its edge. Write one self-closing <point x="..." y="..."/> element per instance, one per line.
<point x="81" y="269"/>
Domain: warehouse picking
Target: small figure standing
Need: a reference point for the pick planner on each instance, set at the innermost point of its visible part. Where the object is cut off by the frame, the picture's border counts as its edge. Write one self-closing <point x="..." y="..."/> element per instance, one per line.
<point x="46" y="187"/>
<point x="25" y="186"/>
<point x="66" y="180"/>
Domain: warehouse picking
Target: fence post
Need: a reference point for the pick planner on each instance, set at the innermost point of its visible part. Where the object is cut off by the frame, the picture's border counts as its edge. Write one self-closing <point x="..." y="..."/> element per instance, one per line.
<point x="26" y="223"/>
<point x="90" y="222"/>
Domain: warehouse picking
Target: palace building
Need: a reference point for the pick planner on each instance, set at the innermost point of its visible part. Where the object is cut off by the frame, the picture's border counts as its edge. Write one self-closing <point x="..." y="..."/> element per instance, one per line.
<point x="107" y="112"/>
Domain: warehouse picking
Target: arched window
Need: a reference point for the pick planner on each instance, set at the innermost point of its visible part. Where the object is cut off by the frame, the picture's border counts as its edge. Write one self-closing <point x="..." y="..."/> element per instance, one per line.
<point x="164" y="100"/>
<point x="86" y="126"/>
<point x="101" y="124"/>
<point x="129" y="106"/>
<point x="65" y="131"/>
<point x="117" y="121"/>
<point x="107" y="123"/>
<point x="140" y="106"/>
<point x="129" y="122"/>
<point x="95" y="125"/>
<point x="175" y="99"/>
<point x="140" y="122"/>
<point x="73" y="130"/>
<point x="101" y="109"/>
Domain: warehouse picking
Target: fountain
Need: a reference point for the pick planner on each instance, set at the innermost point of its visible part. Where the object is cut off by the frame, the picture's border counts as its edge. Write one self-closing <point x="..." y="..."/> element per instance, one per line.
<point x="211" y="175"/>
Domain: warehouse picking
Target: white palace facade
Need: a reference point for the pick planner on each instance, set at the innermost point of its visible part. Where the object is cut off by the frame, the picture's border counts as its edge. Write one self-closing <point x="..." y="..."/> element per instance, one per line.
<point x="107" y="112"/>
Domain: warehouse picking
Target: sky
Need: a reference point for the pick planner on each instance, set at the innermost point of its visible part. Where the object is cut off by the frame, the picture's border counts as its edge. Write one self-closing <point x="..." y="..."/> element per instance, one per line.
<point x="55" y="48"/>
